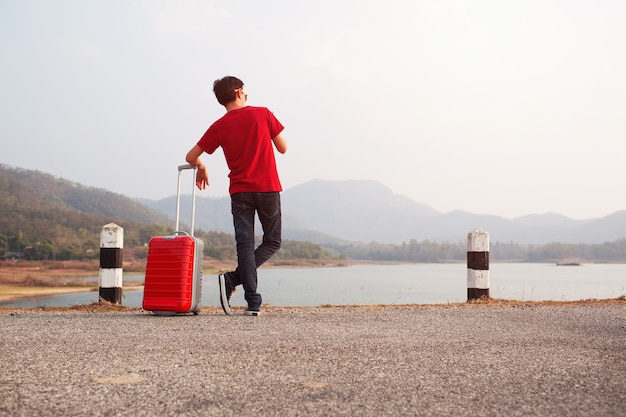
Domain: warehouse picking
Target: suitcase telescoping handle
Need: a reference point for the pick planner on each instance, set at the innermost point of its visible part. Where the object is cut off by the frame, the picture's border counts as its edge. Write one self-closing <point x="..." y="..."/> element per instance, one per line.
<point x="174" y="234"/>
<point x="181" y="168"/>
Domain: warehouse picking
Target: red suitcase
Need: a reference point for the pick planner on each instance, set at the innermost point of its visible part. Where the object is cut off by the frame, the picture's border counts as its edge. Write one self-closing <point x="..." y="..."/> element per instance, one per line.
<point x="173" y="283"/>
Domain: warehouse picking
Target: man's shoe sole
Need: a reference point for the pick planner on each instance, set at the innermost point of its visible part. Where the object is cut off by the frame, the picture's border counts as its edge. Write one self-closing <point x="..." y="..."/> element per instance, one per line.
<point x="251" y="313"/>
<point x="223" y="299"/>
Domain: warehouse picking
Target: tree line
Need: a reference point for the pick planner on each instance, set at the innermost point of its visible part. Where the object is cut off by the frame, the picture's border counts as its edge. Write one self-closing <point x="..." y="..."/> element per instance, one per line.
<point x="429" y="251"/>
<point x="84" y="244"/>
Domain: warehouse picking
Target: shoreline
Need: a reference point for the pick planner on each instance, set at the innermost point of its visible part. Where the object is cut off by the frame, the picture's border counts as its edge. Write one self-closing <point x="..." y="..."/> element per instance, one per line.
<point x="17" y="292"/>
<point x="32" y="279"/>
<point x="25" y="279"/>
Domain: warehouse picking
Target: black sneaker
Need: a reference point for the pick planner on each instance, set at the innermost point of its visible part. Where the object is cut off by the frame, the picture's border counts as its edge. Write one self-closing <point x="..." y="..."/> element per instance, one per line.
<point x="251" y="312"/>
<point x="226" y="291"/>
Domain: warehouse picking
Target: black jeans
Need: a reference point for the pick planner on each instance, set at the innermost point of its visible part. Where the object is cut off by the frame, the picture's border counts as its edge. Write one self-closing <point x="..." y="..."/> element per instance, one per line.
<point x="243" y="207"/>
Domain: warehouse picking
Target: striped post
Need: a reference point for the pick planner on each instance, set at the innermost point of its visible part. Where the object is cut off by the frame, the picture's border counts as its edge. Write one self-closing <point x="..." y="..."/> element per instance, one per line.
<point x="111" y="245"/>
<point x="477" y="264"/>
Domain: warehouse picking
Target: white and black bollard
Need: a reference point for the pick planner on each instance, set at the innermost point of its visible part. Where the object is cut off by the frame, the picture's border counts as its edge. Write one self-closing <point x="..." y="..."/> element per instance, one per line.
<point x="111" y="272"/>
<point x="477" y="264"/>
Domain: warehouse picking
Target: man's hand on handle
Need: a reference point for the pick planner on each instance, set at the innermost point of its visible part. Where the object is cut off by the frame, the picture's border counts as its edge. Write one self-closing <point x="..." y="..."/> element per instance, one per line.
<point x="202" y="177"/>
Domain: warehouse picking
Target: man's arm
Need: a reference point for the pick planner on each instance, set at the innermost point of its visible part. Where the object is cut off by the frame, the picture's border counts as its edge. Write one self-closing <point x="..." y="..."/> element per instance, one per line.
<point x="279" y="142"/>
<point x="193" y="158"/>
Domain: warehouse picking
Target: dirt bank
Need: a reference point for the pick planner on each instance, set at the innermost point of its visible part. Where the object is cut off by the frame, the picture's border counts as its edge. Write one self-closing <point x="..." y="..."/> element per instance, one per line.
<point x="38" y="278"/>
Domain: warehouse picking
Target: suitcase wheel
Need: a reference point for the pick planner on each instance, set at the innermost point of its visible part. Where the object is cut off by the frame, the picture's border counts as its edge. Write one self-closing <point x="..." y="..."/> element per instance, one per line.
<point x="164" y="313"/>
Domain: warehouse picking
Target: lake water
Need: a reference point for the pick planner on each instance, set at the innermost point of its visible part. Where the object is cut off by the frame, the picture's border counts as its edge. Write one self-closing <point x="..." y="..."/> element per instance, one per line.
<point x="395" y="284"/>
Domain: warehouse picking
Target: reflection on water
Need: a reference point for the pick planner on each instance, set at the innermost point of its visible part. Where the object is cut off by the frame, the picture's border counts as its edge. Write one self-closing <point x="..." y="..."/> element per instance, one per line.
<point x="395" y="284"/>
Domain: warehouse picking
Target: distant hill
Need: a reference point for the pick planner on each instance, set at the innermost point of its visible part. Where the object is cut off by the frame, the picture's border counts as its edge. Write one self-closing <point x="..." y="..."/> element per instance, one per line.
<point x="48" y="218"/>
<point x="39" y="206"/>
<point x="361" y="211"/>
<point x="323" y="212"/>
<point x="211" y="213"/>
<point x="319" y="211"/>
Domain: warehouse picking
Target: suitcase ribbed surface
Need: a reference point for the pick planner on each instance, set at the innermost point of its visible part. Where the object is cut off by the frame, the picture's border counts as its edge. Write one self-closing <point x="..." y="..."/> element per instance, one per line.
<point x="169" y="274"/>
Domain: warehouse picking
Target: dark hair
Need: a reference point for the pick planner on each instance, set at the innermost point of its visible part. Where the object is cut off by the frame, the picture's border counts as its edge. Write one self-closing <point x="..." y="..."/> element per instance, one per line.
<point x="224" y="89"/>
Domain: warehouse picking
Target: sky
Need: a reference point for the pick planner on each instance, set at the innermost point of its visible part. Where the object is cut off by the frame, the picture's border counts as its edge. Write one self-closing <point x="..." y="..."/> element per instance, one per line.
<point x="503" y="108"/>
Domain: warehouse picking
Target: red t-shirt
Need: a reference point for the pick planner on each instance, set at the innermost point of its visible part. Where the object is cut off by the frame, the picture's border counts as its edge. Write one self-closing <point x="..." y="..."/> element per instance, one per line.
<point x="245" y="135"/>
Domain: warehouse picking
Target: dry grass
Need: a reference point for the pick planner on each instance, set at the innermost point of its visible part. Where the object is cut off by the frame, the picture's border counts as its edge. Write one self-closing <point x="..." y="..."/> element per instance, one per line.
<point x="37" y="278"/>
<point x="44" y="273"/>
<point x="497" y="302"/>
<point x="106" y="307"/>
<point x="492" y="302"/>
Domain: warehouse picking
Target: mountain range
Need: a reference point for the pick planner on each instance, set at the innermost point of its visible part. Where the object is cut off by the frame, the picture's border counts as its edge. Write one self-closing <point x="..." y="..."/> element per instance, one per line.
<point x="319" y="211"/>
<point x="324" y="211"/>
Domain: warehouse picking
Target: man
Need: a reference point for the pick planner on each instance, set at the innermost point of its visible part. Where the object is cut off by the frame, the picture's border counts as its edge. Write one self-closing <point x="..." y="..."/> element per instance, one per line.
<point x="246" y="135"/>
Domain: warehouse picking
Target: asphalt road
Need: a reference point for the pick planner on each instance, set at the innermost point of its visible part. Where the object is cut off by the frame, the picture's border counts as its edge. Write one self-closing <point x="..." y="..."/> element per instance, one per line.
<point x="359" y="361"/>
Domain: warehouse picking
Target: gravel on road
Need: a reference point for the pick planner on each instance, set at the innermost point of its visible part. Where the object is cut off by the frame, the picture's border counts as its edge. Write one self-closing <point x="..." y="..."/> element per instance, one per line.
<point x="456" y="360"/>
